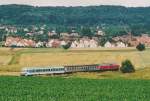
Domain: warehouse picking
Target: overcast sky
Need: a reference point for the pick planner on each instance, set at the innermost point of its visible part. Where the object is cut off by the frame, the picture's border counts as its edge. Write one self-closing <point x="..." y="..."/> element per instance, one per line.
<point x="128" y="3"/>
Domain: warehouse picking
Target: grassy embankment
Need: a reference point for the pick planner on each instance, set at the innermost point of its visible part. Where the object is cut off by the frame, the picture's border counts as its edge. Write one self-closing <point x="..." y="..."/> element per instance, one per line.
<point x="14" y="60"/>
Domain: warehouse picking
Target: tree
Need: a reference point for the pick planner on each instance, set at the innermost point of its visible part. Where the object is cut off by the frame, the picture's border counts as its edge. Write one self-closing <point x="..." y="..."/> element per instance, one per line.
<point x="86" y="32"/>
<point x="67" y="46"/>
<point x="127" y="67"/>
<point x="140" y="47"/>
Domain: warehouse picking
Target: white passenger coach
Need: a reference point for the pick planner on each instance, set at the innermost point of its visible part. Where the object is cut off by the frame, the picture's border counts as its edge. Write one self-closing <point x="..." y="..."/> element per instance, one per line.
<point x="41" y="71"/>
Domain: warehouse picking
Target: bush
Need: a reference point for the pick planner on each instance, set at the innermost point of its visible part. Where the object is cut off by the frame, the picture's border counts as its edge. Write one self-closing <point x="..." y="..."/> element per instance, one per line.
<point x="67" y="46"/>
<point x="140" y="47"/>
<point x="127" y="67"/>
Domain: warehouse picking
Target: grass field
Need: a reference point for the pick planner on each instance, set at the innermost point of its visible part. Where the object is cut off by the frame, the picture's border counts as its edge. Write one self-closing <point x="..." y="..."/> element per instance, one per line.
<point x="14" y="60"/>
<point x="74" y="89"/>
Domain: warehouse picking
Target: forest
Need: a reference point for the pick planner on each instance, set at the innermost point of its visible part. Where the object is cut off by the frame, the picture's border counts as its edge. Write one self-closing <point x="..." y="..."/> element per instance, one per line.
<point x="114" y="20"/>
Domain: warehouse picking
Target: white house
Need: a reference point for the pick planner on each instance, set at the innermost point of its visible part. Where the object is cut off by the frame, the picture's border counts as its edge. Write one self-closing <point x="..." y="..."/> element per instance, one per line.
<point x="39" y="44"/>
<point x="63" y="43"/>
<point x="121" y="45"/>
<point x="109" y="45"/>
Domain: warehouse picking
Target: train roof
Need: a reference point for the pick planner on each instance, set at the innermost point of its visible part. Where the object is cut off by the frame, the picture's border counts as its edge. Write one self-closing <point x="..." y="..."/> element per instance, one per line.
<point x="80" y="65"/>
<point x="46" y="67"/>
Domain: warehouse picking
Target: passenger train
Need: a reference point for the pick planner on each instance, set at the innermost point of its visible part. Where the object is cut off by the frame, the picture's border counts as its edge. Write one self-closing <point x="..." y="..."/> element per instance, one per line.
<point x="68" y="69"/>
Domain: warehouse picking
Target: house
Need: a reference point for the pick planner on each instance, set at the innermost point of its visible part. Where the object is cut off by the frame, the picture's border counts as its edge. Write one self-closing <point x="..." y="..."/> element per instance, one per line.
<point x="64" y="34"/>
<point x="39" y="44"/>
<point x="41" y="32"/>
<point x="84" y="43"/>
<point x="2" y="27"/>
<point x="74" y="44"/>
<point x="19" y="42"/>
<point x="133" y="40"/>
<point x="100" y="33"/>
<point x="73" y="34"/>
<point x="25" y="29"/>
<point x="12" y="41"/>
<point x="53" y="43"/>
<point x="109" y="45"/>
<point x="52" y="33"/>
<point x="144" y="39"/>
<point x="93" y="44"/>
<point x="62" y="43"/>
<point x="30" y="34"/>
<point x="121" y="45"/>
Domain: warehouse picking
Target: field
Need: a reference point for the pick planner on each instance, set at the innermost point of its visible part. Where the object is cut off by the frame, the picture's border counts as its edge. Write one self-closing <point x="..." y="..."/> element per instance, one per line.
<point x="13" y="60"/>
<point x="99" y="86"/>
<point x="72" y="89"/>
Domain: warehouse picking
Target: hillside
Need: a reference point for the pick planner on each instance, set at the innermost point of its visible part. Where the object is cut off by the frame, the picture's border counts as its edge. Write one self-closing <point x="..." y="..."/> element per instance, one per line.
<point x="114" y="20"/>
<point x="92" y="15"/>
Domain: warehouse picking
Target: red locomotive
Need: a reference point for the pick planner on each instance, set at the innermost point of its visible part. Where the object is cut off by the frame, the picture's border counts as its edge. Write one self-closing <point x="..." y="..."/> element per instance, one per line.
<point x="108" y="67"/>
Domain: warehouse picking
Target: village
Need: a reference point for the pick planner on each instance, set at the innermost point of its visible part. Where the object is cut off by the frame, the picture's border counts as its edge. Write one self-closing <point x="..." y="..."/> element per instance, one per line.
<point x="120" y="42"/>
<point x="74" y="38"/>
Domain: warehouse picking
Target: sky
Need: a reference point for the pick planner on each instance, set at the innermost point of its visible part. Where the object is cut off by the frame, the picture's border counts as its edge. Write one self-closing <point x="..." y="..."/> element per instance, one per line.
<point x="127" y="3"/>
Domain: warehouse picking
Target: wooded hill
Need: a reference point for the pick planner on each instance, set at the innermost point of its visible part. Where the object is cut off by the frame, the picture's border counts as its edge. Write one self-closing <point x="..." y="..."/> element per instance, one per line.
<point x="136" y="18"/>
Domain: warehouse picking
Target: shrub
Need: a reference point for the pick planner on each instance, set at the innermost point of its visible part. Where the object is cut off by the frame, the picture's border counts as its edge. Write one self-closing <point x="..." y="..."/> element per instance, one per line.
<point x="140" y="47"/>
<point x="127" y="67"/>
<point x="67" y="46"/>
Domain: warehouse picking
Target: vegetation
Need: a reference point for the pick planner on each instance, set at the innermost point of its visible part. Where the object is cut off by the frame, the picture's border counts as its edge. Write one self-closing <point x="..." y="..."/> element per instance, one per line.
<point x="86" y="32"/>
<point x="127" y="67"/>
<point x="61" y="89"/>
<point x="140" y="47"/>
<point x="15" y="60"/>
<point x="67" y="46"/>
<point x="114" y="20"/>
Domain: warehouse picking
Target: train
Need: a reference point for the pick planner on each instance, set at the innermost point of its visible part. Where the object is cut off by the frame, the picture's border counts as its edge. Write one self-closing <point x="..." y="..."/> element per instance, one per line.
<point x="30" y="71"/>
